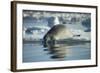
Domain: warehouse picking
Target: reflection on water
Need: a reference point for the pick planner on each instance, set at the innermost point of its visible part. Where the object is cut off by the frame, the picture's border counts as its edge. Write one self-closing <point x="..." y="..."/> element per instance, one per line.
<point x="36" y="52"/>
<point x="58" y="53"/>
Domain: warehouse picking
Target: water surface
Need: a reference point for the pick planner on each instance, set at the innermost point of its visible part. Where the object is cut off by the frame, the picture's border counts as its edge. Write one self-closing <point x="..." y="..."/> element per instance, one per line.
<point x="37" y="53"/>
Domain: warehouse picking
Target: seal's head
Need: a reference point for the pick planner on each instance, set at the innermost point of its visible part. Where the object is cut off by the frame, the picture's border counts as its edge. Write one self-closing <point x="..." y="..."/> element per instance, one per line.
<point x="57" y="32"/>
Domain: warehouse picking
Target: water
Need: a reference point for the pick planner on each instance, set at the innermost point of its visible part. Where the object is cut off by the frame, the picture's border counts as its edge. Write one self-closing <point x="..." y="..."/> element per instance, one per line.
<point x="37" y="53"/>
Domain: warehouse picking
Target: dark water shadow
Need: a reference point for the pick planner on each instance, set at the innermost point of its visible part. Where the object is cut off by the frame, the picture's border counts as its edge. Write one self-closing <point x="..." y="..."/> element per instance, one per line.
<point x="57" y="52"/>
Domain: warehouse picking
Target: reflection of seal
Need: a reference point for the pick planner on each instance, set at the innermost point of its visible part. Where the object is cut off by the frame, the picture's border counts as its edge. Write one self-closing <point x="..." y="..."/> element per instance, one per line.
<point x="57" y="32"/>
<point x="58" y="52"/>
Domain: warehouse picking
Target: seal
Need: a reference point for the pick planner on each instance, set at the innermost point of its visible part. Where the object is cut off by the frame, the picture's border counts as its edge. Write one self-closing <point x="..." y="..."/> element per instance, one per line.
<point x="57" y="32"/>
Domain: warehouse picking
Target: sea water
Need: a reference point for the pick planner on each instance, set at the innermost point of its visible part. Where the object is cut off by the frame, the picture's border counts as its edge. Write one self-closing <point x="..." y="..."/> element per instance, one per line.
<point x="36" y="53"/>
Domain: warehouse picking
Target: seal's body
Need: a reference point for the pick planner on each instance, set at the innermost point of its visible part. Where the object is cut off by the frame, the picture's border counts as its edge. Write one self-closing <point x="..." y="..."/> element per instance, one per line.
<point x="57" y="32"/>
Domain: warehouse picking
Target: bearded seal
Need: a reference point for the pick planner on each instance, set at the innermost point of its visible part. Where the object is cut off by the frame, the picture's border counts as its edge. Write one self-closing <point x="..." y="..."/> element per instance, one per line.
<point x="57" y="32"/>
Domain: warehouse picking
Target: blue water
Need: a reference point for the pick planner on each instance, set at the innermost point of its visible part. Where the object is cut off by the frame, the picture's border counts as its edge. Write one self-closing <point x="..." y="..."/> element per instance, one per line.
<point x="37" y="53"/>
